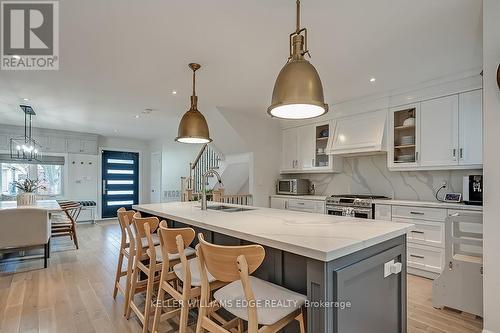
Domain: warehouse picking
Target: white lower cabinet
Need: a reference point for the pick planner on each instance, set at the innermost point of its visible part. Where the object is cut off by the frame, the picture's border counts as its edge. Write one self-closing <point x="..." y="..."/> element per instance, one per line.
<point x="426" y="242"/>
<point x="279" y="203"/>
<point x="298" y="205"/>
<point x="426" y="258"/>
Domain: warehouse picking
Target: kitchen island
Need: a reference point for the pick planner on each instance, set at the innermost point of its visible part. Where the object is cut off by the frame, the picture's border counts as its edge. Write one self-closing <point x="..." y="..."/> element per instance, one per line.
<point x="347" y="267"/>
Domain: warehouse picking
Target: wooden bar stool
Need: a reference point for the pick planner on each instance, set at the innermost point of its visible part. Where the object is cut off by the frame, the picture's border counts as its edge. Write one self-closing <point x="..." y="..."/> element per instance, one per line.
<point x="246" y="297"/>
<point x="143" y="226"/>
<point x="127" y="251"/>
<point x="176" y="241"/>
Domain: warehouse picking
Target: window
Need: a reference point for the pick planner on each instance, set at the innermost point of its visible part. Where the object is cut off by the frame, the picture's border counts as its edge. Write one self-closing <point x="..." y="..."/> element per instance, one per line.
<point x="50" y="177"/>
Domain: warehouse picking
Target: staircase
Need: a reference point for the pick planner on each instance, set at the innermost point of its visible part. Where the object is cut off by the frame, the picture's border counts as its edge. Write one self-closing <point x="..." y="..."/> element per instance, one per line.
<point x="231" y="171"/>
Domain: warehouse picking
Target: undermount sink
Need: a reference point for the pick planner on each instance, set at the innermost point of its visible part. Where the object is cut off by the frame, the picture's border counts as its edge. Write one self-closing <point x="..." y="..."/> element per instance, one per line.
<point x="229" y="209"/>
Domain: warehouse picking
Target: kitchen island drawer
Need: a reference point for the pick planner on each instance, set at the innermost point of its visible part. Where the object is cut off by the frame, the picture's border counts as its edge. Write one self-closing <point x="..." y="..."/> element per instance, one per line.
<point x="425" y="232"/>
<point x="426" y="258"/>
<point x="419" y="213"/>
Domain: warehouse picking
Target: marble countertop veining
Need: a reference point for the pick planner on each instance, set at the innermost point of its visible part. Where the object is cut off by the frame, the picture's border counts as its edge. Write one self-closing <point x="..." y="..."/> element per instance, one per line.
<point x="431" y="204"/>
<point x="301" y="197"/>
<point x="318" y="236"/>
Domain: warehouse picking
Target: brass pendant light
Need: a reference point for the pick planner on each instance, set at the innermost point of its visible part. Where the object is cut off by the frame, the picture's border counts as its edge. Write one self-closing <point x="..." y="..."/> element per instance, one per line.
<point x="193" y="127"/>
<point x="298" y="92"/>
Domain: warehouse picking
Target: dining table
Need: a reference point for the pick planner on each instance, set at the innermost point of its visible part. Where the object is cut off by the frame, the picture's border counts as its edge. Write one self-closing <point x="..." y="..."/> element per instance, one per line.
<point x="50" y="205"/>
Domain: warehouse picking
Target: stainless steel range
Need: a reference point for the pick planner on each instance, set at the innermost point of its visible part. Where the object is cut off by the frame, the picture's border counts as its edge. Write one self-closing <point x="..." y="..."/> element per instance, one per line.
<point x="361" y="206"/>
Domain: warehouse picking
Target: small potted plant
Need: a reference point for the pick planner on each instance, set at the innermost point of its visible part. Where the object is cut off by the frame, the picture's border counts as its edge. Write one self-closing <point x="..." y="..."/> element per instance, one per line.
<point x="28" y="187"/>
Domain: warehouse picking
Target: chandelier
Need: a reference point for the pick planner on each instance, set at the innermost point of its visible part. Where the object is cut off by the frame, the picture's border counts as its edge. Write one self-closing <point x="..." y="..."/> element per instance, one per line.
<point x="26" y="148"/>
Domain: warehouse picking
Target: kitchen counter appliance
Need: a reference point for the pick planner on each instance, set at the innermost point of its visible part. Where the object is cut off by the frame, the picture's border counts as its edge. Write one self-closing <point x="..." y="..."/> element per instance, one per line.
<point x="473" y="190"/>
<point x="361" y="206"/>
<point x="293" y="186"/>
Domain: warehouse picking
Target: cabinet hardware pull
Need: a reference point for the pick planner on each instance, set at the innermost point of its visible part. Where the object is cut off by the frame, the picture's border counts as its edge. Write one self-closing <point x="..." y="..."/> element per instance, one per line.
<point x="450" y="265"/>
<point x="461" y="153"/>
<point x="417" y="213"/>
<point x="313" y="162"/>
<point x="454" y="153"/>
<point x="416" y="156"/>
<point x="417" y="232"/>
<point x="415" y="256"/>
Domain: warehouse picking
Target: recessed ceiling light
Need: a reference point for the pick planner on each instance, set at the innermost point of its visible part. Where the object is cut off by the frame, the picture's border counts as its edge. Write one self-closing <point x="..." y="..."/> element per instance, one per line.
<point x="136" y="116"/>
<point x="26" y="99"/>
<point x="115" y="130"/>
<point x="15" y="56"/>
<point x="373" y="79"/>
<point x="147" y="111"/>
<point x="174" y="92"/>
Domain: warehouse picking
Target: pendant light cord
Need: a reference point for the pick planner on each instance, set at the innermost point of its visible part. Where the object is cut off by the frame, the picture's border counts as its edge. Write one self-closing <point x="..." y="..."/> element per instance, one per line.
<point x="298" y="16"/>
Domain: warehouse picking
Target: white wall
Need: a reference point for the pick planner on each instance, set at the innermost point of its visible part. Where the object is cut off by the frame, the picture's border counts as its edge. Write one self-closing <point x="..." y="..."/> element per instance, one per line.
<point x="491" y="107"/>
<point x="262" y="138"/>
<point x="175" y="164"/>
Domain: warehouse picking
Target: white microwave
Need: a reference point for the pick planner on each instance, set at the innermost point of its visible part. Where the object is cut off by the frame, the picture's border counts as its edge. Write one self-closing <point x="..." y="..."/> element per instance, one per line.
<point x="293" y="186"/>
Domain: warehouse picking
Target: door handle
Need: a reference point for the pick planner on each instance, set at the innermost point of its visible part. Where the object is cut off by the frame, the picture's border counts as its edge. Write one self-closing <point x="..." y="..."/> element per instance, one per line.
<point x="104" y="190"/>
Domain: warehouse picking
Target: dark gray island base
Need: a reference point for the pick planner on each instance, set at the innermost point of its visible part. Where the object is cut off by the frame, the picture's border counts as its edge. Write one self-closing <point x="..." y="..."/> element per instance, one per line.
<point x="346" y="295"/>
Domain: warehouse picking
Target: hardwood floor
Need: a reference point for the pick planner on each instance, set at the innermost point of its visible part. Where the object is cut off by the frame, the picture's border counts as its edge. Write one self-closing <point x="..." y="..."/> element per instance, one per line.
<point x="75" y="293"/>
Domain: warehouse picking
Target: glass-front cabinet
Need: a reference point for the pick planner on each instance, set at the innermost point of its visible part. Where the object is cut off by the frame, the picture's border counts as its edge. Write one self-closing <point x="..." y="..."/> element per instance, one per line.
<point x="404" y="136"/>
<point x="322" y="133"/>
<point x="305" y="149"/>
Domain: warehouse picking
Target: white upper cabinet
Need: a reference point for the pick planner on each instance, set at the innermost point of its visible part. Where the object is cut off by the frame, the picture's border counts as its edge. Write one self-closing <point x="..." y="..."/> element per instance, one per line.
<point x="81" y="146"/>
<point x="470" y="122"/>
<point x="442" y="133"/>
<point x="74" y="146"/>
<point x="4" y="142"/>
<point x="439" y="132"/>
<point x="289" y="149"/>
<point x="359" y="134"/>
<point x="306" y="146"/>
<point x="53" y="144"/>
<point x="89" y="146"/>
<point x="304" y="149"/>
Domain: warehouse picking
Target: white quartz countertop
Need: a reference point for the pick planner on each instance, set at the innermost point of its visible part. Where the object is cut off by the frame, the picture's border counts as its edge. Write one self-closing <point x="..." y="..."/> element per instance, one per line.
<point x="301" y="197"/>
<point x="318" y="236"/>
<point x="431" y="204"/>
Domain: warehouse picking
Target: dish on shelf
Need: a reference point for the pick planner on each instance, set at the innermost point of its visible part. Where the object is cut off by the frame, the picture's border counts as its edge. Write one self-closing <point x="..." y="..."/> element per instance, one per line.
<point x="409" y="122"/>
<point x="405" y="158"/>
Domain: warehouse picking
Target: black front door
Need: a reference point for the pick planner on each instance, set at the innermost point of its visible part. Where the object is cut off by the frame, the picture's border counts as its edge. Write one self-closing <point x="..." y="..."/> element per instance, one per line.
<point x="120" y="181"/>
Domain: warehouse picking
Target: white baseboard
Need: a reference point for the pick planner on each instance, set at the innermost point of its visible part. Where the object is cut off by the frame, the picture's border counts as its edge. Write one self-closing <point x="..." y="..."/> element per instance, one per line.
<point x="486" y="331"/>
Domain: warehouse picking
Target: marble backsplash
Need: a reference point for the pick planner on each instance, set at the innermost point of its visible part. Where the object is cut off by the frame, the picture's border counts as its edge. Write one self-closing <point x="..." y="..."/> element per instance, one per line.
<point x="370" y="175"/>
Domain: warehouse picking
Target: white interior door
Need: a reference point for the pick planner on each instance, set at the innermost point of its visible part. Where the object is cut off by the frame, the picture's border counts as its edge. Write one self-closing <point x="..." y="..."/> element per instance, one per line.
<point x="439" y="131"/>
<point x="156" y="177"/>
<point x="471" y="127"/>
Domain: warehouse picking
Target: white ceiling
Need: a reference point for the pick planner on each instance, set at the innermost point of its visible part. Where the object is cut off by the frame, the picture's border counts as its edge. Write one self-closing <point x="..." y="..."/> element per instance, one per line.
<point x="121" y="56"/>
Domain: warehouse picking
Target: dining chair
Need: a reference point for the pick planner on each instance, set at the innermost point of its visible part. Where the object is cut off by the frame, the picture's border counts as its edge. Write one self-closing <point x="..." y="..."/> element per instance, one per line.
<point x="175" y="242"/>
<point x="65" y="224"/>
<point x="246" y="297"/>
